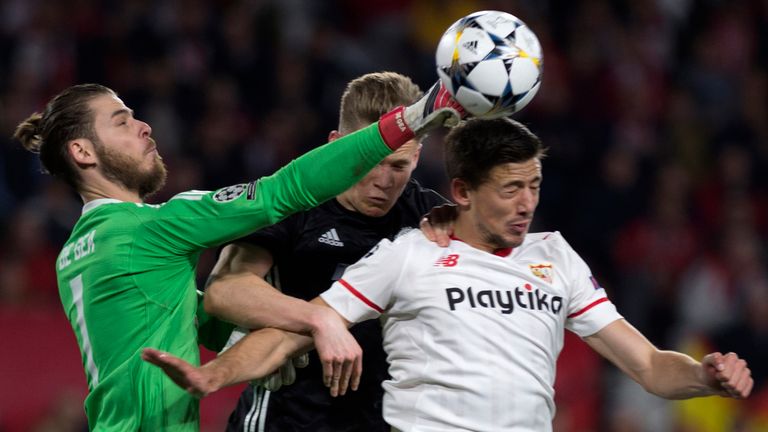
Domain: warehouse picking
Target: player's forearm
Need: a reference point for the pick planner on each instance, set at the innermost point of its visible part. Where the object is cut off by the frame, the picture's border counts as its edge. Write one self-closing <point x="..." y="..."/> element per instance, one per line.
<point x="255" y="356"/>
<point x="250" y="302"/>
<point x="674" y="375"/>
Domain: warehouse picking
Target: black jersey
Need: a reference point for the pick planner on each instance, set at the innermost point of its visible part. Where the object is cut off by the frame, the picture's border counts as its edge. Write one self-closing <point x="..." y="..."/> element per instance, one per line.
<point x="310" y="251"/>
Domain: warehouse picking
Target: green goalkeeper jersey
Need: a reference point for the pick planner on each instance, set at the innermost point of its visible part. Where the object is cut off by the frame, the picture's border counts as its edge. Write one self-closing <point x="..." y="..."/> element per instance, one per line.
<point x="127" y="277"/>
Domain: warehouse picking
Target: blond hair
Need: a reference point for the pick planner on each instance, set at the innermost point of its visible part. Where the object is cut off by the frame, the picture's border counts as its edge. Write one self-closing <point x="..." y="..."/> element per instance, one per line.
<point x="368" y="97"/>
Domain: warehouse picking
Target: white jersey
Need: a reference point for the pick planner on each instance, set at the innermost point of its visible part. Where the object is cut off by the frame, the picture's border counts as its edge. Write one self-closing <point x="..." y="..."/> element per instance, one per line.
<point x="471" y="337"/>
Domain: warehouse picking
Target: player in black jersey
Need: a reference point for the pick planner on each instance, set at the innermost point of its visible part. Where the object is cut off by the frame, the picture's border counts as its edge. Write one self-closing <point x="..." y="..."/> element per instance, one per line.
<point x="306" y="252"/>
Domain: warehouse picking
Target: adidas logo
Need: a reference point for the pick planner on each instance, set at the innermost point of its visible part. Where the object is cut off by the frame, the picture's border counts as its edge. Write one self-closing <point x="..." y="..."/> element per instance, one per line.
<point x="331" y="238"/>
<point x="471" y="45"/>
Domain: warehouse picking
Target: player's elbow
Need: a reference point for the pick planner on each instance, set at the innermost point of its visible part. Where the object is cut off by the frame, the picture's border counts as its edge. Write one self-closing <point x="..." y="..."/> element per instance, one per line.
<point x="214" y="300"/>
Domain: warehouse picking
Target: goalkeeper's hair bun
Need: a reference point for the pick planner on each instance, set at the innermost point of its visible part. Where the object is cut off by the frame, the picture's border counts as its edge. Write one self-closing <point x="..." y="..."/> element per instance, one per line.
<point x="28" y="133"/>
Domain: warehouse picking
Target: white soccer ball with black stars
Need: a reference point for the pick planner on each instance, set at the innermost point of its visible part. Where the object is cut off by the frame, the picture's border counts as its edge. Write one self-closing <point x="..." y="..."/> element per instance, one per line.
<point x="491" y="63"/>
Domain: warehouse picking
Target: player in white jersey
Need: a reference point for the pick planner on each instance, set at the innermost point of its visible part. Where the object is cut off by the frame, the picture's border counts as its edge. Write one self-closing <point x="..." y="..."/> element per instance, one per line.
<point x="471" y="336"/>
<point x="472" y="332"/>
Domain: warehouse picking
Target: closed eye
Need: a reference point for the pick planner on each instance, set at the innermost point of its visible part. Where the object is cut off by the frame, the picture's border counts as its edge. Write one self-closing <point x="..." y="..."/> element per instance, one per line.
<point x="122" y="115"/>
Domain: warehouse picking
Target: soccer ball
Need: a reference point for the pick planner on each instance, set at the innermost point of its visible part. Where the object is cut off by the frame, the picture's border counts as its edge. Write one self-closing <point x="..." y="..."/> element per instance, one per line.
<point x="491" y="63"/>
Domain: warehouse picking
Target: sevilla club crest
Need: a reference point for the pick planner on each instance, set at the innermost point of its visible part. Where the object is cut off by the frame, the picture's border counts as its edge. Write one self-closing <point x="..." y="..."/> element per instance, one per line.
<point x="542" y="271"/>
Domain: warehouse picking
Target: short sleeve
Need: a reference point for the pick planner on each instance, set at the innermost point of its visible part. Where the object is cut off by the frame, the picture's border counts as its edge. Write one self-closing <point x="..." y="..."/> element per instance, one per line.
<point x="366" y="289"/>
<point x="589" y="309"/>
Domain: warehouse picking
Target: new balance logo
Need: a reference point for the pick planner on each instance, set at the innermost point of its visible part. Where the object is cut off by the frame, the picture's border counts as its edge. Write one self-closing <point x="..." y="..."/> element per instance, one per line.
<point x="331" y="238"/>
<point x="471" y="45"/>
<point x="448" y="261"/>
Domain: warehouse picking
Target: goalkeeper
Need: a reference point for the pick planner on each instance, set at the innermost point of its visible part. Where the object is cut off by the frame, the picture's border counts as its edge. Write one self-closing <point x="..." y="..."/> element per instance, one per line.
<point x="126" y="274"/>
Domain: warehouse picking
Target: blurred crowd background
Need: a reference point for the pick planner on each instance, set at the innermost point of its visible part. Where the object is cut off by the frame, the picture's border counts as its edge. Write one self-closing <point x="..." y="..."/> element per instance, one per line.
<point x="655" y="113"/>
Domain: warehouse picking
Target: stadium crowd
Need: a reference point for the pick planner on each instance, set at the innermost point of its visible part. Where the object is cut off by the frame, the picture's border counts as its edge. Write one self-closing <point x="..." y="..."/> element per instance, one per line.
<point x="655" y="114"/>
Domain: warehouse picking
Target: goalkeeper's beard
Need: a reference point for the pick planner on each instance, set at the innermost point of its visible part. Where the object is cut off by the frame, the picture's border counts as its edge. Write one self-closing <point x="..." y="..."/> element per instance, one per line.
<point x="124" y="170"/>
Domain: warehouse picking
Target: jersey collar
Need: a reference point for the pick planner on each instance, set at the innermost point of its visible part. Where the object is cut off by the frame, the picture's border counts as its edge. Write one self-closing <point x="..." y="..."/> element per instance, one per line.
<point x="502" y="252"/>
<point x="90" y="205"/>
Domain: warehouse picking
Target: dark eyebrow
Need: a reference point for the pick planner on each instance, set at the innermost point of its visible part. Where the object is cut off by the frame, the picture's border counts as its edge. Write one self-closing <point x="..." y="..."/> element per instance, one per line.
<point x="521" y="183"/>
<point x="121" y="111"/>
<point x="513" y="183"/>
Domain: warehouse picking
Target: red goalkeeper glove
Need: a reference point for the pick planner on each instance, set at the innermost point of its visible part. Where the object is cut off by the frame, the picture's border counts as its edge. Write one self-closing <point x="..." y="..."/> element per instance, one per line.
<point x="436" y="108"/>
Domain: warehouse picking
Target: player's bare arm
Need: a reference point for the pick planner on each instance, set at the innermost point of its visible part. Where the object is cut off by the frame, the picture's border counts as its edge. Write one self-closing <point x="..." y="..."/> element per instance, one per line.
<point x="238" y="293"/>
<point x="671" y="374"/>
<point x="255" y="356"/>
<point x="260" y="353"/>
